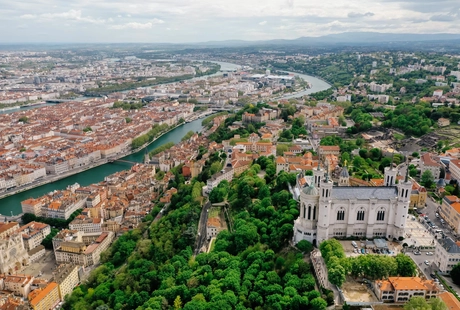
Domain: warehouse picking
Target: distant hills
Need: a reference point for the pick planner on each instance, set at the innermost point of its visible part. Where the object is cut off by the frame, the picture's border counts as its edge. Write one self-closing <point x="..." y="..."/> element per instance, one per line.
<point x="341" y="38"/>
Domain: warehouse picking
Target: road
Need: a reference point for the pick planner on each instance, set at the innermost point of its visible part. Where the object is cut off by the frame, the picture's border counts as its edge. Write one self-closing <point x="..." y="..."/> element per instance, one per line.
<point x="201" y="236"/>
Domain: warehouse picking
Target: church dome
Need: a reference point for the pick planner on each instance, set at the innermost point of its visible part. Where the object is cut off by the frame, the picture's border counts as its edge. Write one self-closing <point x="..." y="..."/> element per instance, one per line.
<point x="344" y="173"/>
<point x="310" y="190"/>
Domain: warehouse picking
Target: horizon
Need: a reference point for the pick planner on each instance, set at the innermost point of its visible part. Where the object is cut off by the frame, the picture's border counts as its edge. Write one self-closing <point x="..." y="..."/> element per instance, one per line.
<point x="178" y="21"/>
<point x="351" y="40"/>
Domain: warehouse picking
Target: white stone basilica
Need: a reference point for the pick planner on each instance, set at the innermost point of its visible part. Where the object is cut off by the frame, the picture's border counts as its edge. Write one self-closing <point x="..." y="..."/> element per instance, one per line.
<point x="328" y="211"/>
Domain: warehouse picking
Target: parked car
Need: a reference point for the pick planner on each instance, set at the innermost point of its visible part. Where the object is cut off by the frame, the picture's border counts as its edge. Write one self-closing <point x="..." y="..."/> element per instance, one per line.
<point x="354" y="244"/>
<point x="417" y="253"/>
<point x="363" y="251"/>
<point x="437" y="214"/>
<point x="429" y="253"/>
<point x="426" y="262"/>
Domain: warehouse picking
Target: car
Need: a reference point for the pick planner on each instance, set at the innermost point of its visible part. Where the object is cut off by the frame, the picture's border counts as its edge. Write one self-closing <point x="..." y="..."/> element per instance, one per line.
<point x="426" y="262"/>
<point x="437" y="214"/>
<point x="417" y="253"/>
<point x="429" y="253"/>
<point x="363" y="251"/>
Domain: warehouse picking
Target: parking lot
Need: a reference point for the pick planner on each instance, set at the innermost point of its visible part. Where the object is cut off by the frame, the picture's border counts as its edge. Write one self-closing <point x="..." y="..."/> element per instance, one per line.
<point x="350" y="251"/>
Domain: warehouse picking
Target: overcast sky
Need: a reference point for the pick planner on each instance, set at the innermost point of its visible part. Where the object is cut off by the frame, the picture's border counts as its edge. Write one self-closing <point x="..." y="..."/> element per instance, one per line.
<point x="206" y="20"/>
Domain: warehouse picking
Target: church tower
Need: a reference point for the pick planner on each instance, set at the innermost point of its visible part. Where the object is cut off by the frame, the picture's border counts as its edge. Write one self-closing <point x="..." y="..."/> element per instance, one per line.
<point x="390" y="175"/>
<point x="344" y="178"/>
<point x="325" y="194"/>
<point x="402" y="206"/>
<point x="318" y="174"/>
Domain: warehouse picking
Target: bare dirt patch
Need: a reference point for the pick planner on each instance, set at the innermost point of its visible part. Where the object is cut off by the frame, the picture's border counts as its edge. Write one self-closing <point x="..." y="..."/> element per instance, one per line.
<point x="354" y="291"/>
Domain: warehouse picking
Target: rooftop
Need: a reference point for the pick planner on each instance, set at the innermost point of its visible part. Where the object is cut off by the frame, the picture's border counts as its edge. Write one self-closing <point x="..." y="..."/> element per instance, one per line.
<point x="363" y="192"/>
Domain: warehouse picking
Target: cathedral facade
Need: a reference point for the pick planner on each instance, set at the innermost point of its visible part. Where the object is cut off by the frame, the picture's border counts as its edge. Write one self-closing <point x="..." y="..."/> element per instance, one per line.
<point x="328" y="211"/>
<point x="13" y="255"/>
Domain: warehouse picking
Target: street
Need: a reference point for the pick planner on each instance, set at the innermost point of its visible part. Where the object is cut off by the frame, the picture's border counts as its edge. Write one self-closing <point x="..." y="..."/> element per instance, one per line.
<point x="201" y="236"/>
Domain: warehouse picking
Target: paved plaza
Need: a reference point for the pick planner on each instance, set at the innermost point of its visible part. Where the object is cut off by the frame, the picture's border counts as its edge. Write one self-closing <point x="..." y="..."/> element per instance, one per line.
<point x="418" y="235"/>
<point x="43" y="268"/>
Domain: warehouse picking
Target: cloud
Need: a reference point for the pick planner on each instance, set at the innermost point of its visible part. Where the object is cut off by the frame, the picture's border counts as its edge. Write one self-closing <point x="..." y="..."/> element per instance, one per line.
<point x="136" y="25"/>
<point x="75" y="15"/>
<point x="28" y="16"/>
<point x="449" y="17"/>
<point x="359" y="15"/>
<point x="263" y="23"/>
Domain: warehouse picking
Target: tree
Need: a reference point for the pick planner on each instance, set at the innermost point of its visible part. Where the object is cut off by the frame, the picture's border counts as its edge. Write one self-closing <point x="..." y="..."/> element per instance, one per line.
<point x="437" y="304"/>
<point x="406" y="266"/>
<point x="318" y="304"/>
<point x="455" y="274"/>
<point x="417" y="303"/>
<point x="23" y="119"/>
<point x="427" y="179"/>
<point x="304" y="246"/>
<point x="177" y="303"/>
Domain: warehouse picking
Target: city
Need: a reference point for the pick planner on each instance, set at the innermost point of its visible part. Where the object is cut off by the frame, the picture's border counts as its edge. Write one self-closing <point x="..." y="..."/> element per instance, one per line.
<point x="284" y="169"/>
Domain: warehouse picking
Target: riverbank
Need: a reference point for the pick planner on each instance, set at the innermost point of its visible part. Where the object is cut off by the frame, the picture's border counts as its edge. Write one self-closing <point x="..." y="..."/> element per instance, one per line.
<point x="103" y="161"/>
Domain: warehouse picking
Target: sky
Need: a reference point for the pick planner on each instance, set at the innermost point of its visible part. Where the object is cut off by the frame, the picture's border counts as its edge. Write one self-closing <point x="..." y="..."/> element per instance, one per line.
<point x="181" y="21"/>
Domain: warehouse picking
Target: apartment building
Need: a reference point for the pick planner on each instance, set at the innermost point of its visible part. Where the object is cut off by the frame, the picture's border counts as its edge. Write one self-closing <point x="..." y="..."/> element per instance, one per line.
<point x="450" y="212"/>
<point x="36" y="253"/>
<point x="454" y="168"/>
<point x="67" y="278"/>
<point x="324" y="150"/>
<point x="86" y="225"/>
<point x="64" y="208"/>
<point x="446" y="255"/>
<point x="7" y="228"/>
<point x="33" y="206"/>
<point x="46" y="298"/>
<point x="33" y="234"/>
<point x="427" y="163"/>
<point x="80" y="254"/>
<point x="19" y="284"/>
<point x="67" y="235"/>
<point x="402" y="289"/>
<point x="225" y="174"/>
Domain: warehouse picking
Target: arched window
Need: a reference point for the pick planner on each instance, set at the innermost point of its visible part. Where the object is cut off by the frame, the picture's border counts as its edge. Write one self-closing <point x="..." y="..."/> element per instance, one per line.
<point x="314" y="212"/>
<point x="304" y="209"/>
<point x="309" y="212"/>
<point x="381" y="215"/>
<point x="360" y="215"/>
<point x="341" y="215"/>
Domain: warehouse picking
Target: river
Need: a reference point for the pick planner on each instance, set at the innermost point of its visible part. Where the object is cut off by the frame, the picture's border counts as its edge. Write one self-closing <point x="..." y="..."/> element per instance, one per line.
<point x="12" y="204"/>
<point x="94" y="175"/>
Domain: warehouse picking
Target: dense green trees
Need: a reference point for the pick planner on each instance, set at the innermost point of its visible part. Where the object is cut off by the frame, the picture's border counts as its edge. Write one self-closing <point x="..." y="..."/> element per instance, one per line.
<point x="297" y="130"/>
<point x="427" y="179"/>
<point x="244" y="271"/>
<point x="53" y="222"/>
<point x="369" y="266"/>
<point x="419" y="303"/>
<point x="455" y="274"/>
<point x="161" y="148"/>
<point x="148" y="137"/>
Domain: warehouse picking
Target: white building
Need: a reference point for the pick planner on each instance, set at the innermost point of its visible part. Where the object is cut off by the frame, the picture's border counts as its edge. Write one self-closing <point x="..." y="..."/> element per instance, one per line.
<point x="328" y="211"/>
<point x="447" y="255"/>
<point x="427" y="163"/>
<point x="225" y="174"/>
<point x="33" y="234"/>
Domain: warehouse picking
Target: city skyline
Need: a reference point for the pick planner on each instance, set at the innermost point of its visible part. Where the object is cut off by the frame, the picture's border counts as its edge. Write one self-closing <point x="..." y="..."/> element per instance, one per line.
<point x="178" y="21"/>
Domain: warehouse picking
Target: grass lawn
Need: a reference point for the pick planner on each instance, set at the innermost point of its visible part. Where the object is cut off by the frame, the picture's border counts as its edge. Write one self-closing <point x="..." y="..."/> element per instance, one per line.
<point x="398" y="136"/>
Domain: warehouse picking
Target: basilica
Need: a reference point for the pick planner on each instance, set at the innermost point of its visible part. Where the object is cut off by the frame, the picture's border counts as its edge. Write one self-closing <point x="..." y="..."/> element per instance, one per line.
<point x="329" y="211"/>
